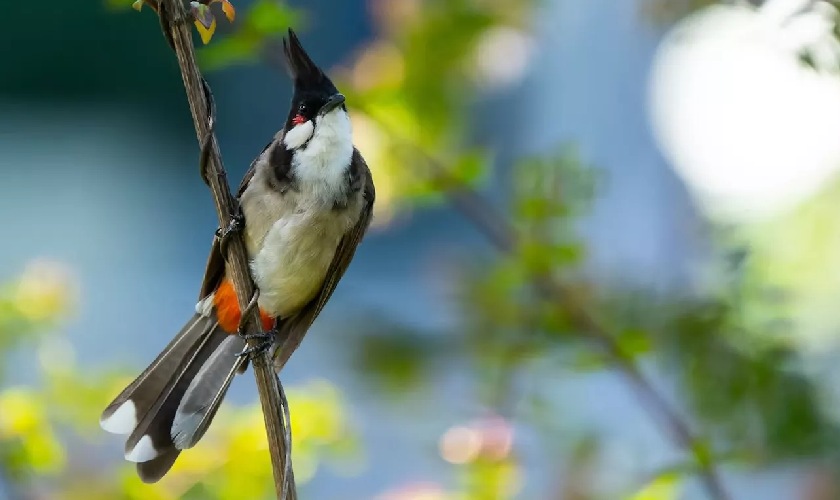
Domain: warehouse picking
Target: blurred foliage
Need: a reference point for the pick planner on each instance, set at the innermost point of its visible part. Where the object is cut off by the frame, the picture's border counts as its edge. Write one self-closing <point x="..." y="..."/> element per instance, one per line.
<point x="399" y="361"/>
<point x="41" y="427"/>
<point x="727" y="348"/>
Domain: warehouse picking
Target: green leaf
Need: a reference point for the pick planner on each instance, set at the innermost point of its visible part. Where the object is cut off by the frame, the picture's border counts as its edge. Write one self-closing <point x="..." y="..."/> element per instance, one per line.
<point x="536" y="257"/>
<point x="567" y="253"/>
<point x="470" y="167"/>
<point x="703" y="453"/>
<point x="539" y="208"/>
<point x="635" y="342"/>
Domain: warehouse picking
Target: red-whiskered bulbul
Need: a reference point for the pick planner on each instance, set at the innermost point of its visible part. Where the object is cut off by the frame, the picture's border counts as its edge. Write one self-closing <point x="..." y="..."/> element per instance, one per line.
<point x="306" y="203"/>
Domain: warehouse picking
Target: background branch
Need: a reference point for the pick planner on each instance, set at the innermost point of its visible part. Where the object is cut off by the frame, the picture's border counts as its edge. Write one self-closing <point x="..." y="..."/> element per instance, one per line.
<point x="176" y="26"/>
<point x="496" y="228"/>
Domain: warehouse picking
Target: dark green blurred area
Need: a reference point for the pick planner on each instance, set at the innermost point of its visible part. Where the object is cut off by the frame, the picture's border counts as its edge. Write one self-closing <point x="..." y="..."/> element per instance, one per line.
<point x="81" y="51"/>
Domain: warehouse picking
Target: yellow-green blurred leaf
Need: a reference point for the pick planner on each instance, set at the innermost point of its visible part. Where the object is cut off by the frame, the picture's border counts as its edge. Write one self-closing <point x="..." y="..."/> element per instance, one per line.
<point x="539" y="208"/>
<point x="230" y="50"/>
<point x="270" y="17"/>
<point x="634" y="342"/>
<point x="44" y="452"/>
<point x="469" y="168"/>
<point x="206" y="33"/>
<point x="20" y="412"/>
<point x="44" y="291"/>
<point x="664" y="487"/>
<point x="24" y="427"/>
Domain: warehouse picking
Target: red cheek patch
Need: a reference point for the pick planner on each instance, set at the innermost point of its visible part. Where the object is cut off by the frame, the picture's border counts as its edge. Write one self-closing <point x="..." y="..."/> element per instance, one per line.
<point x="298" y="119"/>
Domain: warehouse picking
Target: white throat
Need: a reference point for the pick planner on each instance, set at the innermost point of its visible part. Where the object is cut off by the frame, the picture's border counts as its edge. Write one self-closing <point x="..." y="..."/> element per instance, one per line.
<point x="321" y="163"/>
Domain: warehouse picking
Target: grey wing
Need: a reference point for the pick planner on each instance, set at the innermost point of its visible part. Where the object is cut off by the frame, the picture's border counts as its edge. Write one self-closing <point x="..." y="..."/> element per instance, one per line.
<point x="293" y="329"/>
<point x="215" y="269"/>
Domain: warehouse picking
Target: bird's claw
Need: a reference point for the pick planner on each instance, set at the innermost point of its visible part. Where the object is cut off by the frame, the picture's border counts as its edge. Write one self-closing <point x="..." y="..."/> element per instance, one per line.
<point x="237" y="222"/>
<point x="266" y="339"/>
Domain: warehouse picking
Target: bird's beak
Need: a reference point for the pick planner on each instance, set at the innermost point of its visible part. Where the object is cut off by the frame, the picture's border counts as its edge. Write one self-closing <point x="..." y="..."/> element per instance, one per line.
<point x="334" y="102"/>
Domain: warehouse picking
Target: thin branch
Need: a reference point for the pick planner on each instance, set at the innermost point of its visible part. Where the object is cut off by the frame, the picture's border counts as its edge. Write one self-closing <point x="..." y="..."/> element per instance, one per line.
<point x="176" y="27"/>
<point x="496" y="228"/>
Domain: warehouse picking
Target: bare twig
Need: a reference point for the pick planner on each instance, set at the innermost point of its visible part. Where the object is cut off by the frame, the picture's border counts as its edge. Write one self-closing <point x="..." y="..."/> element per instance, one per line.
<point x="496" y="228"/>
<point x="176" y="27"/>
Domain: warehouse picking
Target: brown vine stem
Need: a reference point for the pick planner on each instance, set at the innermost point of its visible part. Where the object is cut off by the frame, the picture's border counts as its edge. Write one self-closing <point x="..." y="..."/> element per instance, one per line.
<point x="176" y="27"/>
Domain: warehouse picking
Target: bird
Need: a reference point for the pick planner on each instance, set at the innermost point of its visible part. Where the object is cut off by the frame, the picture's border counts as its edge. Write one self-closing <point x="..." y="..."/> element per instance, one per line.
<point x="306" y="202"/>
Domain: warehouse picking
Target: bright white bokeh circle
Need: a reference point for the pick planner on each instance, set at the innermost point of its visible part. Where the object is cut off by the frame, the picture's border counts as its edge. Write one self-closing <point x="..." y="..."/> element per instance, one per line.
<point x="750" y="128"/>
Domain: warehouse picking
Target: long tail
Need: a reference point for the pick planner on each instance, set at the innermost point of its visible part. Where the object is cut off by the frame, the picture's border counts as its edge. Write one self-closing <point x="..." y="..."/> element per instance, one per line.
<point x="169" y="407"/>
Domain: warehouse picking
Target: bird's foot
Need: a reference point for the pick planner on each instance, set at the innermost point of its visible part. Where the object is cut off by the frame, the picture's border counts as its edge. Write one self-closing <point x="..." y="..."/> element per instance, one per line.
<point x="264" y="341"/>
<point x="237" y="222"/>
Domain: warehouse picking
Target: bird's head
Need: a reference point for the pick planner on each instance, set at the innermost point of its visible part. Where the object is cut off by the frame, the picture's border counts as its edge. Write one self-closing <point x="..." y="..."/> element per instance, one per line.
<point x="316" y="104"/>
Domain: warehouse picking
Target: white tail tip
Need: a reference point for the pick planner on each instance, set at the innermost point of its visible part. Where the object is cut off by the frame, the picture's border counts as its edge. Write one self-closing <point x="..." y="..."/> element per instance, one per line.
<point x="122" y="421"/>
<point x="143" y="451"/>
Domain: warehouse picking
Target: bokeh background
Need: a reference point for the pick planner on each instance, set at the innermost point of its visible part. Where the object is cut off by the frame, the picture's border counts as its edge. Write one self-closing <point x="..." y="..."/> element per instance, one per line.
<point x="605" y="262"/>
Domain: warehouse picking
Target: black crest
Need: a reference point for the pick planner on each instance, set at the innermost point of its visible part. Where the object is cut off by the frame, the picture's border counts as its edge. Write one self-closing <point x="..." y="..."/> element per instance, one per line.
<point x="305" y="73"/>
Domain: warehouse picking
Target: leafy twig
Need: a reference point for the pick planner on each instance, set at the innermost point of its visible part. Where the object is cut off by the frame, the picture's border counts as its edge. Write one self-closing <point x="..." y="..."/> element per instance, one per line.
<point x="175" y="23"/>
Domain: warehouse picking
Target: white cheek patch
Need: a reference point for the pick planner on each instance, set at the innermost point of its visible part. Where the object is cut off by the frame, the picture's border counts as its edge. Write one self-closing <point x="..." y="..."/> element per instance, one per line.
<point x="322" y="164"/>
<point x="297" y="136"/>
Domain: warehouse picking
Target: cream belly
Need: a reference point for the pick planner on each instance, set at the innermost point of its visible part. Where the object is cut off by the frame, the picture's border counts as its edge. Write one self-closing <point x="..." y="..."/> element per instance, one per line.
<point x="291" y="239"/>
<point x="293" y="260"/>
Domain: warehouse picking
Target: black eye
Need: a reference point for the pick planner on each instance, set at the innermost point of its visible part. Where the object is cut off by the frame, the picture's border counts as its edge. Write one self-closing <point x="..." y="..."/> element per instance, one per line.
<point x="302" y="108"/>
